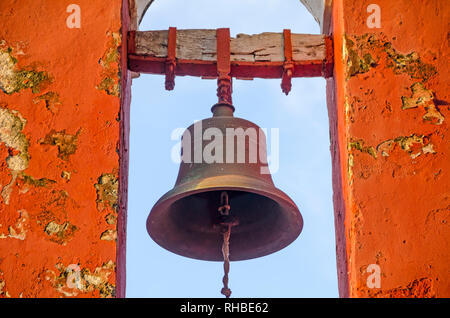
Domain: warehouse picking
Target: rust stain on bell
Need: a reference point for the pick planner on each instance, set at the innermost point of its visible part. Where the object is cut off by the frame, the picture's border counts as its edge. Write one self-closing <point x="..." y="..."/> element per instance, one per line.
<point x="184" y="220"/>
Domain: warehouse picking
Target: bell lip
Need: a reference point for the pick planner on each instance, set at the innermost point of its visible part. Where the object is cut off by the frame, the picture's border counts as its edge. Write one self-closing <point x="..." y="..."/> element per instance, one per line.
<point x="275" y="194"/>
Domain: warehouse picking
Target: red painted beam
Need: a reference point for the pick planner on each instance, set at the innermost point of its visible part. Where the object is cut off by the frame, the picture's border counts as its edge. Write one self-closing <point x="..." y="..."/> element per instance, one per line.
<point x="154" y="65"/>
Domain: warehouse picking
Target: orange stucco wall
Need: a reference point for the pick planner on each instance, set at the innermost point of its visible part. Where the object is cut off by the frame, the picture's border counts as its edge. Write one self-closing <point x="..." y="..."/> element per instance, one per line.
<point x="389" y="115"/>
<point x="60" y="139"/>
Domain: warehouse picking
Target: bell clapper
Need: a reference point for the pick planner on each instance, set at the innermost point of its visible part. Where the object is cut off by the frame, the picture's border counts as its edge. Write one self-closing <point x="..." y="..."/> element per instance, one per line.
<point x="225" y="228"/>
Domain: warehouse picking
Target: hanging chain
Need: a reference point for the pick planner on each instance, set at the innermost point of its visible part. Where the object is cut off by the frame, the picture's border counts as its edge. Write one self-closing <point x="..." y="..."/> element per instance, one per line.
<point x="226" y="261"/>
<point x="225" y="229"/>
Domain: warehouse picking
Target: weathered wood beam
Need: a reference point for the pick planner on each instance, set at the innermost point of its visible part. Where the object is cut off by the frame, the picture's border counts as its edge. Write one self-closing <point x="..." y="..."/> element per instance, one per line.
<point x="259" y="55"/>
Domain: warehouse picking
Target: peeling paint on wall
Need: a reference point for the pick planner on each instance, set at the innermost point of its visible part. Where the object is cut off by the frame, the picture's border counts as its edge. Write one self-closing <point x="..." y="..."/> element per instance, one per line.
<point x="107" y="191"/>
<point x="42" y="182"/>
<point x="111" y="218"/>
<point x="13" y="79"/>
<point x="66" y="175"/>
<point x="424" y="98"/>
<point x="109" y="63"/>
<point x="368" y="50"/>
<point x="66" y="143"/>
<point x="19" y="229"/>
<point x="3" y="292"/>
<point x="50" y="100"/>
<point x="11" y="126"/>
<point x="73" y="280"/>
<point x="359" y="60"/>
<point x="109" y="235"/>
<point x="418" y="288"/>
<point x="359" y="145"/>
<point x="414" y="145"/>
<point x="11" y="135"/>
<point x="410" y="64"/>
<point x="60" y="233"/>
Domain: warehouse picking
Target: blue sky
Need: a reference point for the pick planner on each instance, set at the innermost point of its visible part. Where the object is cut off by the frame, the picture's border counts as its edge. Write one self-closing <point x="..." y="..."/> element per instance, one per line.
<point x="307" y="267"/>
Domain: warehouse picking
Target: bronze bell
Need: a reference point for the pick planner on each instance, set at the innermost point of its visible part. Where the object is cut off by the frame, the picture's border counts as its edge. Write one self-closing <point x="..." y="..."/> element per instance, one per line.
<point x="185" y="220"/>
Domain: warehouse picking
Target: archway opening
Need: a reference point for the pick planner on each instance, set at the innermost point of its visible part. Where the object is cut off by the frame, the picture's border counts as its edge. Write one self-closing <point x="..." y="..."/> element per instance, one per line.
<point x="306" y="268"/>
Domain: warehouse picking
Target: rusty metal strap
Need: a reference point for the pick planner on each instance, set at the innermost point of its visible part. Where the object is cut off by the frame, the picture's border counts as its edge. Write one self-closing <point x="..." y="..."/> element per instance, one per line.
<point x="288" y="67"/>
<point x="224" y="88"/>
<point x="223" y="52"/>
<point x="171" y="58"/>
<point x="287" y="46"/>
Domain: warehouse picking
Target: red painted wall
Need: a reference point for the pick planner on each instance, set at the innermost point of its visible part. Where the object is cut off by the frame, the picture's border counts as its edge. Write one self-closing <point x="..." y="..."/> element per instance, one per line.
<point x="62" y="126"/>
<point x="389" y="112"/>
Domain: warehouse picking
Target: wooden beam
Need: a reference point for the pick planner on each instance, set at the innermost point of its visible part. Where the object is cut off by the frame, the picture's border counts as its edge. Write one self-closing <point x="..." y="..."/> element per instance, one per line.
<point x="258" y="55"/>
<point x="201" y="45"/>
